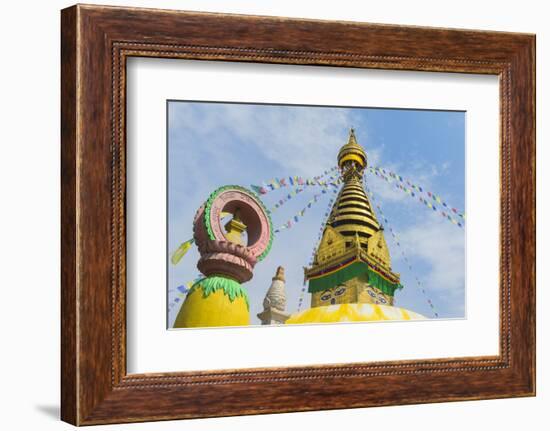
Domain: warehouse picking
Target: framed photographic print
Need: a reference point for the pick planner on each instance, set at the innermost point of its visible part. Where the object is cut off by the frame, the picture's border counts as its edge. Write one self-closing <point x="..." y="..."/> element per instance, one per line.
<point x="258" y="208"/>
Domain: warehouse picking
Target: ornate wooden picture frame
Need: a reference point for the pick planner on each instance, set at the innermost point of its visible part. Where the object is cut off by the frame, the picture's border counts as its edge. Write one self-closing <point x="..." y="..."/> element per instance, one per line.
<point x="96" y="42"/>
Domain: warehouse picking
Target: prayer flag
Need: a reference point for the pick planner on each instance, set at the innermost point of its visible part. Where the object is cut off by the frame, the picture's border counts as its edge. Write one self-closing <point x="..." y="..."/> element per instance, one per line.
<point x="181" y="251"/>
<point x="257" y="189"/>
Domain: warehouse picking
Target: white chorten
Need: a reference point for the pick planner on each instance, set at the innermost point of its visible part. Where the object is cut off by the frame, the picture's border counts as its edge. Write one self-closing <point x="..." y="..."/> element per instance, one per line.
<point x="275" y="301"/>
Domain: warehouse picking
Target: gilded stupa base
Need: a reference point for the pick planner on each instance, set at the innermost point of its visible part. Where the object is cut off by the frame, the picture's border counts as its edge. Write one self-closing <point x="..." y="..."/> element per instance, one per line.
<point x="352" y="313"/>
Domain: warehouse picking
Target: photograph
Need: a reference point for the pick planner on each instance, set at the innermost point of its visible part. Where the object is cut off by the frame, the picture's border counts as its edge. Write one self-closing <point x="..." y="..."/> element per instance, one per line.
<point x="284" y="214"/>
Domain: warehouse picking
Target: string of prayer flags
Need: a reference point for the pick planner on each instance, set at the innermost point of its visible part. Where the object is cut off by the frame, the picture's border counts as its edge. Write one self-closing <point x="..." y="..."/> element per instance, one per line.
<point x="401" y="249"/>
<point x="443" y="213"/>
<point x="300" y="213"/>
<point x="184" y="288"/>
<point x="182" y="291"/>
<point x="285" y="199"/>
<point x="386" y="175"/>
<point x="433" y="196"/>
<point x="277" y="183"/>
<point x="331" y="180"/>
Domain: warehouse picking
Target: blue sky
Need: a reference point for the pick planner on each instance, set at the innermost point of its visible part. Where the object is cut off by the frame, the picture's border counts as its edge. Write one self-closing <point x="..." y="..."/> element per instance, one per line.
<point x="214" y="144"/>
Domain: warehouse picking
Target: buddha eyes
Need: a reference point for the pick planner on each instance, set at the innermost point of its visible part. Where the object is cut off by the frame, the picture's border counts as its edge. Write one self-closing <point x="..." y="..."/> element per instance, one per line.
<point x="328" y="295"/>
<point x="339" y="291"/>
<point x="379" y="299"/>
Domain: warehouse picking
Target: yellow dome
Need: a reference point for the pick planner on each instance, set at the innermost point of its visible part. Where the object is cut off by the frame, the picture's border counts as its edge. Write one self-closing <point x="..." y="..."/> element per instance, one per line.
<point x="216" y="309"/>
<point x="352" y="151"/>
<point x="352" y="313"/>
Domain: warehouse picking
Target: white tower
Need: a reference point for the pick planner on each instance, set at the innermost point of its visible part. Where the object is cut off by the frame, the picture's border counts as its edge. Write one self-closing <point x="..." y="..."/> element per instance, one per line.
<point x="275" y="301"/>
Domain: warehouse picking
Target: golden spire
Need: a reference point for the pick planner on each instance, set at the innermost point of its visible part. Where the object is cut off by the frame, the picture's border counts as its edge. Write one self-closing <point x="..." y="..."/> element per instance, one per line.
<point x="352" y="214"/>
<point x="352" y="251"/>
<point x="352" y="262"/>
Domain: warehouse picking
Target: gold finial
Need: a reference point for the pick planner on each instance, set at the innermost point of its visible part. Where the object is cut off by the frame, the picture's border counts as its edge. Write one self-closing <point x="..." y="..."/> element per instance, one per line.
<point x="352" y="152"/>
<point x="235" y="228"/>
<point x="237" y="215"/>
<point x="280" y="274"/>
<point x="352" y="135"/>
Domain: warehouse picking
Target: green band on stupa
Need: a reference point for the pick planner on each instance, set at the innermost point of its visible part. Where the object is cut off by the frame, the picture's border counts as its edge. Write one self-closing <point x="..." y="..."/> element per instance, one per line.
<point x="351" y="271"/>
<point x="230" y="287"/>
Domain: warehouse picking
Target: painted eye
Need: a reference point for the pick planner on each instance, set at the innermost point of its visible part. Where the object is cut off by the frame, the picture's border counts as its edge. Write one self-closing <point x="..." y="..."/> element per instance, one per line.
<point x="326" y="297"/>
<point x="382" y="300"/>
<point x="371" y="293"/>
<point x="339" y="291"/>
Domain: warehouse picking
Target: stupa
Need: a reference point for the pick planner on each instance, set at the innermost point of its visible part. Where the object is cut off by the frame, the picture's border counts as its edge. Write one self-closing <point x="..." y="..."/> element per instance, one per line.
<point x="275" y="301"/>
<point x="351" y="278"/>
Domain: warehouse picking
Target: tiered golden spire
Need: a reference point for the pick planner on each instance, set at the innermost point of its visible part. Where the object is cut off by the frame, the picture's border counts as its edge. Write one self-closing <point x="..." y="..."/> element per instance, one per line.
<point x="352" y="263"/>
<point x="352" y="214"/>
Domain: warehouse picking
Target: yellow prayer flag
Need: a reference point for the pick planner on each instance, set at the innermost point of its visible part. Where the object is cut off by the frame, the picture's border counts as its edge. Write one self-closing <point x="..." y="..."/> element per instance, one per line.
<point x="180" y="252"/>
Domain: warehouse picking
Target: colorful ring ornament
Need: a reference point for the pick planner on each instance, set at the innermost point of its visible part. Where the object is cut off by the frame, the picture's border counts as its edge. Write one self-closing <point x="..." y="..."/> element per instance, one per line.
<point x="253" y="213"/>
<point x="219" y="299"/>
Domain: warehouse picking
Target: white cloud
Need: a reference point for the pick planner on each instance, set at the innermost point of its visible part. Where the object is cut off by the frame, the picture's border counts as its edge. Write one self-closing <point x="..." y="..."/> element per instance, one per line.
<point x="440" y="245"/>
<point x="289" y="137"/>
